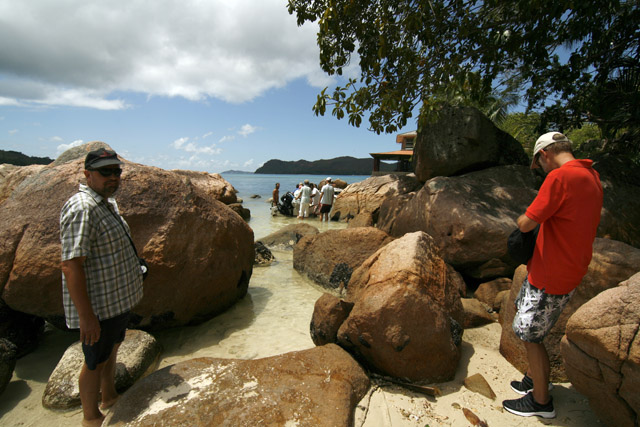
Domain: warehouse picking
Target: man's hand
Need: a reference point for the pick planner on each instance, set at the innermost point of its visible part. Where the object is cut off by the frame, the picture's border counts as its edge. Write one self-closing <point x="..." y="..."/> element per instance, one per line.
<point x="89" y="329"/>
<point x="526" y="224"/>
<point x="73" y="271"/>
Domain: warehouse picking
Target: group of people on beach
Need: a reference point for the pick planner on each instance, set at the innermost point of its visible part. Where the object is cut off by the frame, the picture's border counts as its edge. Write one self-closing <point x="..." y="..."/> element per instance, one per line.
<point x="308" y="200"/>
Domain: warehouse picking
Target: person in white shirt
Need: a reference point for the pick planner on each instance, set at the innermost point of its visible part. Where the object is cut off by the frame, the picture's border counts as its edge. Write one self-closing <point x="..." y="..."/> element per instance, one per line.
<point x="296" y="200"/>
<point x="305" y="200"/>
<point x="315" y="200"/>
<point x="327" y="200"/>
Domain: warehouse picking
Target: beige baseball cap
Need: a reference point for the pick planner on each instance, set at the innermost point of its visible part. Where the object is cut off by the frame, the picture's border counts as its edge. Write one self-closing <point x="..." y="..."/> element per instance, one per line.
<point x="546" y="140"/>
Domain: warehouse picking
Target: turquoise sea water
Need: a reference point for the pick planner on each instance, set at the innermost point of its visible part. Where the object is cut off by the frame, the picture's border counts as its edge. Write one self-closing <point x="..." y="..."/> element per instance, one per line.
<point x="263" y="184"/>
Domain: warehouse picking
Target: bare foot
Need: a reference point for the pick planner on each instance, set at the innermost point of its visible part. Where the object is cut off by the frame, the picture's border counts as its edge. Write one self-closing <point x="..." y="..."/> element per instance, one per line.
<point x="95" y="422"/>
<point x="109" y="403"/>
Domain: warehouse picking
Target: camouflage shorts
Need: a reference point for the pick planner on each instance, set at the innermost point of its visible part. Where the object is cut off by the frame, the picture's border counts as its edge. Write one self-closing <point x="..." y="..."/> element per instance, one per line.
<point x="537" y="312"/>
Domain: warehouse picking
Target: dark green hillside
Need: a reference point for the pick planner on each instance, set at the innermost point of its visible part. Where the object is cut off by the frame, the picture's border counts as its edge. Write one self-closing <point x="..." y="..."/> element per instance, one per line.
<point x="338" y="166"/>
<point x="19" y="159"/>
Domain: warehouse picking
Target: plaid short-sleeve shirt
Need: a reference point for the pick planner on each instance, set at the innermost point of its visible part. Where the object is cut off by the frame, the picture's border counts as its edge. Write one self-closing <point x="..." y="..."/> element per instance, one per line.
<point x="114" y="279"/>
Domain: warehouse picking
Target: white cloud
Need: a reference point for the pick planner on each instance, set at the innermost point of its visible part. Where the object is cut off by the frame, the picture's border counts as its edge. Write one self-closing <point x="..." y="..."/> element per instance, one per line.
<point x="4" y="101"/>
<point x="247" y="130"/>
<point x="64" y="147"/>
<point x="248" y="163"/>
<point x="190" y="147"/>
<point x="227" y="138"/>
<point x="80" y="52"/>
<point x="13" y="131"/>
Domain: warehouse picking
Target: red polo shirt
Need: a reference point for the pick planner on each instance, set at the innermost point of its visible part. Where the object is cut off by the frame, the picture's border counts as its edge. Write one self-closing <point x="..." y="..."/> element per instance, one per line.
<point x="568" y="208"/>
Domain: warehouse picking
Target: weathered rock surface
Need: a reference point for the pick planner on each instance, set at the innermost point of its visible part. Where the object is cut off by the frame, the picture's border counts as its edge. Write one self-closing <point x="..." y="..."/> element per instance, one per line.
<point x="488" y="291"/>
<point x="138" y="355"/>
<point x="329" y="313"/>
<point x="411" y="259"/>
<point x="13" y="176"/>
<point x="329" y="258"/>
<point x="401" y="324"/>
<point x="287" y="237"/>
<point x="612" y="263"/>
<point x="365" y="197"/>
<point x="241" y="210"/>
<point x="320" y="386"/>
<point x="470" y="217"/>
<point x="200" y="253"/>
<point x="476" y="313"/>
<point x="601" y="352"/>
<point x="8" y="357"/>
<point x="500" y="300"/>
<point x="338" y="184"/>
<point x="397" y="329"/>
<point x="79" y="152"/>
<point x="363" y="219"/>
<point x="263" y="255"/>
<point x="463" y="140"/>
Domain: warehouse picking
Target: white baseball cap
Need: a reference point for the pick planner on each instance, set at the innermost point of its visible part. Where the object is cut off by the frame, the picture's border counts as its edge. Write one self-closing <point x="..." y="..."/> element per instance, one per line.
<point x="546" y="140"/>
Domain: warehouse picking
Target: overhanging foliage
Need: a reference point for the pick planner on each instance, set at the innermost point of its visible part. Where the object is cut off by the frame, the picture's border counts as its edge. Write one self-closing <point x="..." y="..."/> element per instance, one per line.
<point x="563" y="56"/>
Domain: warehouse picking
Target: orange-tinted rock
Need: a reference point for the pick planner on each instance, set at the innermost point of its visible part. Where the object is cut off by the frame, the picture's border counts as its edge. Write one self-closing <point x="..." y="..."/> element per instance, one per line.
<point x="199" y="251"/>
<point x="319" y="386"/>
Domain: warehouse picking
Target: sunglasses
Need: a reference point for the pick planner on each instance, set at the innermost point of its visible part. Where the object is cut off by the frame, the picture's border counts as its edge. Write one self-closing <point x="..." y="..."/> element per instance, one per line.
<point x="108" y="172"/>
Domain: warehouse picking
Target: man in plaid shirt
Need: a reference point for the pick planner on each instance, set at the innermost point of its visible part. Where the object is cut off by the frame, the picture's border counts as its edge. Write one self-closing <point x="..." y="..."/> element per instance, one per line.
<point x="102" y="279"/>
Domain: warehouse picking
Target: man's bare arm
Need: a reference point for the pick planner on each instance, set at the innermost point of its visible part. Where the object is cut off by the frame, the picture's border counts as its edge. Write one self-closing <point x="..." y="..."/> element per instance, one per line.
<point x="526" y="224"/>
<point x="73" y="271"/>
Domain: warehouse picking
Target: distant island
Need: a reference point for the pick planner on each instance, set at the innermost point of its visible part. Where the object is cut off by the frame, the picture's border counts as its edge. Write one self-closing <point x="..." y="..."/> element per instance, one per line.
<point x="234" y="172"/>
<point x="19" y="159"/>
<point x="338" y="166"/>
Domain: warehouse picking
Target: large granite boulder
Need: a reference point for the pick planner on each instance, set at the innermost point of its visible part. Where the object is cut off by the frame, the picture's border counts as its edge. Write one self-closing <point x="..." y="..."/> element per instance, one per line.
<point x="404" y="300"/>
<point x="488" y="291"/>
<point x="463" y="140"/>
<point x="397" y="329"/>
<point x="329" y="258"/>
<point x="211" y="185"/>
<point x="200" y="252"/>
<point x="13" y="176"/>
<point x="319" y="386"/>
<point x="612" y="263"/>
<point x="470" y="217"/>
<point x="367" y="196"/>
<point x="477" y="313"/>
<point x="337" y="183"/>
<point x="620" y="179"/>
<point x="138" y="355"/>
<point x="412" y="259"/>
<point x="601" y="352"/>
<point x="287" y="237"/>
<point x="8" y="357"/>
<point x="329" y="313"/>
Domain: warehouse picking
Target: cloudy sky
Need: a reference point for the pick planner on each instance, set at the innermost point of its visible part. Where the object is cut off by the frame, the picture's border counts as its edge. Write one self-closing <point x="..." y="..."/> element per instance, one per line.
<point x="207" y="85"/>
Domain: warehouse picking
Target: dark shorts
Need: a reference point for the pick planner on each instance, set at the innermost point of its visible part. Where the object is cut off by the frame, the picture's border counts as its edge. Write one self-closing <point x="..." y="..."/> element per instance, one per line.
<point x="536" y="312"/>
<point x="325" y="208"/>
<point x="112" y="332"/>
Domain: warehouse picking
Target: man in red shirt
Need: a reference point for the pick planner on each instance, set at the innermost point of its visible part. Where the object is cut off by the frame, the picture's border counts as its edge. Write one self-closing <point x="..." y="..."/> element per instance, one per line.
<point x="567" y="208"/>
